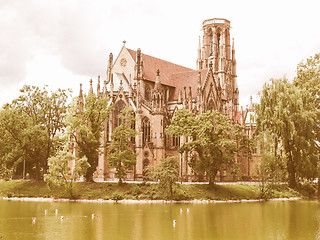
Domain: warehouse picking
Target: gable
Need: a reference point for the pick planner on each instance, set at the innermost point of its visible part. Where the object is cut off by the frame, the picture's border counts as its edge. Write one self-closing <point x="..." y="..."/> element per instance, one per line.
<point x="124" y="64"/>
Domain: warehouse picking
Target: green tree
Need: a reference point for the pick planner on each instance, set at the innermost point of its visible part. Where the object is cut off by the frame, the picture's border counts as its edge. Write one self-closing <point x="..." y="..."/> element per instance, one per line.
<point x="121" y="154"/>
<point x="288" y="113"/>
<point x="30" y="127"/>
<point x="211" y="140"/>
<point x="245" y="145"/>
<point x="60" y="174"/>
<point x="167" y="172"/>
<point x="308" y="78"/>
<point x="47" y="110"/>
<point x="85" y="125"/>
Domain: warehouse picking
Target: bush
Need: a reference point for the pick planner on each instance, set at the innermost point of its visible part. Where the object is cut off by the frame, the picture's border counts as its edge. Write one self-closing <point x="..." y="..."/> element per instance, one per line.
<point x="136" y="190"/>
<point x="180" y="193"/>
<point x="308" y="189"/>
<point x="116" y="196"/>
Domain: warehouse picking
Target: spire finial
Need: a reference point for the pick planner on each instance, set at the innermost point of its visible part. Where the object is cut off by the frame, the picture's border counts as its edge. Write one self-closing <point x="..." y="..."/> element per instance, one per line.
<point x="98" y="86"/>
<point x="124" y="43"/>
<point x="157" y="83"/>
<point x="80" y="94"/>
<point x="91" y="89"/>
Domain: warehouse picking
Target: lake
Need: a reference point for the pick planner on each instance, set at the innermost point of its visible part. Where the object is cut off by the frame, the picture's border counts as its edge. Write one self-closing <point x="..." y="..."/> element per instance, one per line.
<point x="254" y="220"/>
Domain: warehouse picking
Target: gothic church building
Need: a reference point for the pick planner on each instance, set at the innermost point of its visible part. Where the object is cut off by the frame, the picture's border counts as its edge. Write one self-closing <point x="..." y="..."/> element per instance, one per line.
<point x="155" y="89"/>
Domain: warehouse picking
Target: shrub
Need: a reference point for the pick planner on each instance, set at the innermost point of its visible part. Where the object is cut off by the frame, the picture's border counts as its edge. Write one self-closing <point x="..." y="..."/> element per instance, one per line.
<point x="136" y="190"/>
<point x="180" y="193"/>
<point x="116" y="196"/>
<point x="308" y="189"/>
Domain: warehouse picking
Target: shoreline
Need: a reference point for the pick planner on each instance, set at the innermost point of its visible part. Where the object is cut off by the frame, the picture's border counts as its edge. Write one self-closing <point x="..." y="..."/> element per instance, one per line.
<point x="133" y="201"/>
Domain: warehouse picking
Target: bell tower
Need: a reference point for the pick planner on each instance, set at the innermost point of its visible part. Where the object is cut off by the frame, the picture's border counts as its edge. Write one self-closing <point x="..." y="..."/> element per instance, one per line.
<point x="216" y="50"/>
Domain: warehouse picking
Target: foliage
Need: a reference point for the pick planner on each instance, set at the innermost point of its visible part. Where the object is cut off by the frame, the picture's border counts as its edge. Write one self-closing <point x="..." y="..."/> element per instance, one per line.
<point x="308" y="189"/>
<point x="271" y="167"/>
<point x="308" y="77"/>
<point x="210" y="140"/>
<point x="30" y="127"/>
<point x="117" y="196"/>
<point x="121" y="154"/>
<point x="94" y="190"/>
<point x="167" y="172"/>
<point x="85" y="125"/>
<point x="61" y="175"/>
<point x="136" y="190"/>
<point x="289" y="115"/>
<point x="5" y="172"/>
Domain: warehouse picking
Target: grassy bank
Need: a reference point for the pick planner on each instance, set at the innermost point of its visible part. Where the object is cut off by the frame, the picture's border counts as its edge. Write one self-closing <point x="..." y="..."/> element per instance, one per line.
<point x="143" y="191"/>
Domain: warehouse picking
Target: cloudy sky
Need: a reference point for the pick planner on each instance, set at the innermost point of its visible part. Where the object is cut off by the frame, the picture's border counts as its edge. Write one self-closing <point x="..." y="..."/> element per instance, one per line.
<point x="62" y="43"/>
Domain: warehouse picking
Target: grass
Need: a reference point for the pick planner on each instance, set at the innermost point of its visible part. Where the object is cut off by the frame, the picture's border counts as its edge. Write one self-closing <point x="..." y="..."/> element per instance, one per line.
<point x="142" y="191"/>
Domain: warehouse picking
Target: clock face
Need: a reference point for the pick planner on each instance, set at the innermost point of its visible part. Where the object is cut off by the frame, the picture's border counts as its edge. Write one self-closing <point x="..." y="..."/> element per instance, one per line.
<point x="123" y="62"/>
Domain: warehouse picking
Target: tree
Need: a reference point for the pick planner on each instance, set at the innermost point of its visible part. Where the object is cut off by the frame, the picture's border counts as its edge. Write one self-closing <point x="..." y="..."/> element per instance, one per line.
<point x="61" y="175"/>
<point x="308" y="78"/>
<point x="85" y="125"/>
<point x="210" y="140"/>
<point x="167" y="172"/>
<point x="290" y="116"/>
<point x="46" y="110"/>
<point x="245" y="145"/>
<point x="29" y="128"/>
<point x="121" y="154"/>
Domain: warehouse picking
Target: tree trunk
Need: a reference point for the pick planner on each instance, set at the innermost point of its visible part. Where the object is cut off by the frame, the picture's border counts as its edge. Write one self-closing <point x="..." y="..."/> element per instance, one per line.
<point x="89" y="175"/>
<point x="211" y="181"/>
<point x="291" y="172"/>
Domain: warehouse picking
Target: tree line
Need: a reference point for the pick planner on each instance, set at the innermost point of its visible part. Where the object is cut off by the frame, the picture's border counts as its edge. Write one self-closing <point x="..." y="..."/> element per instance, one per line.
<point x="37" y="128"/>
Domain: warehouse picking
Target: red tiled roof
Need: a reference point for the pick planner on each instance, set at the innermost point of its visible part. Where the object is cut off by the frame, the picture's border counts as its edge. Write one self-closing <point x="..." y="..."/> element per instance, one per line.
<point x="187" y="79"/>
<point x="152" y="64"/>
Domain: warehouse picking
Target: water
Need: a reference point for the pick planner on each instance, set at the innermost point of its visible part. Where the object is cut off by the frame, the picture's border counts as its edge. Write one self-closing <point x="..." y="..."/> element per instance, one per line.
<point x="260" y="220"/>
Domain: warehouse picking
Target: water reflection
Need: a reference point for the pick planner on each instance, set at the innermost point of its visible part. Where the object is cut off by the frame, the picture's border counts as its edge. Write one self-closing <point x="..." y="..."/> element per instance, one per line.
<point x="266" y="220"/>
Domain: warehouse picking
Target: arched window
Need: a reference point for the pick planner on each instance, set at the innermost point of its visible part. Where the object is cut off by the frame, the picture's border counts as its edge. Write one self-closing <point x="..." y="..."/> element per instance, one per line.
<point x="218" y="43"/>
<point x="117" y="109"/>
<point x="210" y="36"/>
<point x="210" y="105"/>
<point x="145" y="131"/>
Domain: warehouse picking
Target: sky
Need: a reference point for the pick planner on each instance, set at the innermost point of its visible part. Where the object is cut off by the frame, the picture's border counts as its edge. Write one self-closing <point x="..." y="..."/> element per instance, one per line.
<point x="62" y="43"/>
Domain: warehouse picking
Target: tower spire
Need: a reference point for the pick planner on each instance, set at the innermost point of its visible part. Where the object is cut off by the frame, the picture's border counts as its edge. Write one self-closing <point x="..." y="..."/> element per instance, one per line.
<point x="105" y="88"/>
<point x="199" y="62"/>
<point x="98" y="87"/>
<point x="80" y="99"/>
<point x="110" y="62"/>
<point x="90" y="89"/>
<point x="157" y="84"/>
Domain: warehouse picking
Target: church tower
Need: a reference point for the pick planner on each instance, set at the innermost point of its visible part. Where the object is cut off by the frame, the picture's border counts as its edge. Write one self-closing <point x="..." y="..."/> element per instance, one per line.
<point x="216" y="50"/>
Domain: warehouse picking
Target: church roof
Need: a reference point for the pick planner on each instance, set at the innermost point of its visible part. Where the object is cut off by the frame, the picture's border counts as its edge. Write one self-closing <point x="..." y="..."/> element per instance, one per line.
<point x="167" y="69"/>
<point x="187" y="79"/>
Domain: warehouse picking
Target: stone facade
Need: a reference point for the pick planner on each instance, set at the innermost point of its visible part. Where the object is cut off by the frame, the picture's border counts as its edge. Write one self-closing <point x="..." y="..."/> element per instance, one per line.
<point x="155" y="89"/>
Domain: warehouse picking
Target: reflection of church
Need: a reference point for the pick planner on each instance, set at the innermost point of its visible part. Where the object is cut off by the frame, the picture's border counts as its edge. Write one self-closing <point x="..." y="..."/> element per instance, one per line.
<point x="156" y="89"/>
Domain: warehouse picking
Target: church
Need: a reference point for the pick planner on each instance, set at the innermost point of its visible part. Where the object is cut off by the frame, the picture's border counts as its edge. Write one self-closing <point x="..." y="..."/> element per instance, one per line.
<point x="155" y="89"/>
